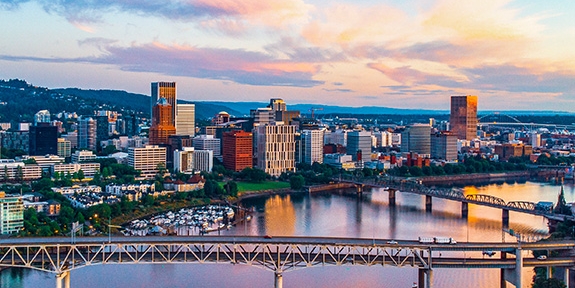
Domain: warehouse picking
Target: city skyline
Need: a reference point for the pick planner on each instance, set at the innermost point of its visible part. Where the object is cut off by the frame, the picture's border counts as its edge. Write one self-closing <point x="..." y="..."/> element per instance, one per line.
<point x="350" y="53"/>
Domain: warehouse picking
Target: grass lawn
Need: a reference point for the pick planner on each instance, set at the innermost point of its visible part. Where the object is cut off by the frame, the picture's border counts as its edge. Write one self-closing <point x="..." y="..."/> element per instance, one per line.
<point x="267" y="185"/>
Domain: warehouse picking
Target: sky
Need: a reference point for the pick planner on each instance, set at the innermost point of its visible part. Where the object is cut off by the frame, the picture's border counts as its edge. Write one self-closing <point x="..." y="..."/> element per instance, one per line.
<point x="514" y="55"/>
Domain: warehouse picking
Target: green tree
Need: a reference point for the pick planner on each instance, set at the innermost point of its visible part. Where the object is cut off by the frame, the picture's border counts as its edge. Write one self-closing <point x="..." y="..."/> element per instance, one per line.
<point x="296" y="182"/>
<point x="231" y="188"/>
<point x="81" y="175"/>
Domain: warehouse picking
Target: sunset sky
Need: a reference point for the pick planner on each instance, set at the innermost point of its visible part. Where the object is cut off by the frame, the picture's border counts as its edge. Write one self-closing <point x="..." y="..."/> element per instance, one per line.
<point x="515" y="55"/>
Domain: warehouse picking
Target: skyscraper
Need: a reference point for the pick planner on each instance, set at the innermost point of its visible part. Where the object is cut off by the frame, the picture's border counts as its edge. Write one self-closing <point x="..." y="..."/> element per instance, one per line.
<point x="186" y="119"/>
<point x="416" y="138"/>
<point x="166" y="90"/>
<point x="275" y="148"/>
<point x="43" y="139"/>
<point x="43" y="116"/>
<point x="238" y="150"/>
<point x="359" y="145"/>
<point x="87" y="133"/>
<point x="463" y="118"/>
<point x="162" y="123"/>
<point x="312" y="146"/>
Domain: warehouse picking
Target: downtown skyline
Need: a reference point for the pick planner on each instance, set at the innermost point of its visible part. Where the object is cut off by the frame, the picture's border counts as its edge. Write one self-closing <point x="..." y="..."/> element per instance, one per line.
<point x="515" y="55"/>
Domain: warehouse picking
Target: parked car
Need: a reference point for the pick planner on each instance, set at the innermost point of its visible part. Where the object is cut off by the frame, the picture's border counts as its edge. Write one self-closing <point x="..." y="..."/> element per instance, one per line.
<point x="542" y="257"/>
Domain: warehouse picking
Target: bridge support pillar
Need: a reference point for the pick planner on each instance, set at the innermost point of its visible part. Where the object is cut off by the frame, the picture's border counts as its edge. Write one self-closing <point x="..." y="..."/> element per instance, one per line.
<point x="63" y="277"/>
<point x="464" y="210"/>
<point x="391" y="196"/>
<point x="429" y="282"/>
<point x="278" y="283"/>
<point x="518" y="266"/>
<point x="505" y="218"/>
<point x="428" y="203"/>
<point x="359" y="188"/>
<point x="421" y="278"/>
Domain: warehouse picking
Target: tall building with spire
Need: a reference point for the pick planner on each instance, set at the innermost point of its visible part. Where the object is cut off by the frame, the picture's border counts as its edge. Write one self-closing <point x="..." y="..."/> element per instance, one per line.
<point x="162" y="122"/>
<point x="166" y="90"/>
<point x="463" y="117"/>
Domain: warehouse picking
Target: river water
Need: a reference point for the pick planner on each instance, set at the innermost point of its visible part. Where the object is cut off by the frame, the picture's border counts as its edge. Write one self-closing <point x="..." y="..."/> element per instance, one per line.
<point x="337" y="214"/>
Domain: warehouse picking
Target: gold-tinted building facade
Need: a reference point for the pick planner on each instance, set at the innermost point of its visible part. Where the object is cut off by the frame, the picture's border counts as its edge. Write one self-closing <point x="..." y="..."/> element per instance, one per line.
<point x="463" y="117"/>
<point x="166" y="90"/>
<point x="162" y="123"/>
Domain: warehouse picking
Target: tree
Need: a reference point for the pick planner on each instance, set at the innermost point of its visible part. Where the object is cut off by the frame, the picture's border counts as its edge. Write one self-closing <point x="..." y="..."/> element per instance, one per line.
<point x="231" y="188"/>
<point x="296" y="182"/>
<point x="80" y="175"/>
<point x="543" y="282"/>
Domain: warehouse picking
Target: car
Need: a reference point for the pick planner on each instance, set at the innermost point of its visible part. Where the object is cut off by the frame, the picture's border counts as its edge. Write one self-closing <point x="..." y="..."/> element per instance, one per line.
<point x="542" y="257"/>
<point x="489" y="253"/>
<point x="268" y="237"/>
<point x="392" y="242"/>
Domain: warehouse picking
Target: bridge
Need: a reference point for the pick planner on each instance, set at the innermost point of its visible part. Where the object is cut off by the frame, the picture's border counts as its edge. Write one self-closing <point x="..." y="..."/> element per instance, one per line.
<point x="455" y="195"/>
<point x="278" y="254"/>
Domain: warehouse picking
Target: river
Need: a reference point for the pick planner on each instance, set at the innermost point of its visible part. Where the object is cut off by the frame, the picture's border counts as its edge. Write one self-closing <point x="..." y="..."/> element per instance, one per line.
<point x="336" y="214"/>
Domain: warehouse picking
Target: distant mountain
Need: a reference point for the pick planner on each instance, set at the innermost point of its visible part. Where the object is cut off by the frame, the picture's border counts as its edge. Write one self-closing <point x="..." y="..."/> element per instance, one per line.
<point x="142" y="103"/>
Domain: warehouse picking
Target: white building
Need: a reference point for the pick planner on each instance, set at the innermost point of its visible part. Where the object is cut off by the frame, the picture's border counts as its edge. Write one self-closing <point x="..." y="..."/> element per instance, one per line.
<point x="89" y="169"/>
<point x="9" y="171"/>
<point x="11" y="214"/>
<point x="64" y="148"/>
<point x="184" y="160"/>
<point x="535" y="139"/>
<point x="186" y="119"/>
<point x="83" y="156"/>
<point x="275" y="149"/>
<point x="384" y="139"/>
<point x="146" y="159"/>
<point x="203" y="160"/>
<point x="208" y="142"/>
<point x="337" y="137"/>
<point x="312" y="146"/>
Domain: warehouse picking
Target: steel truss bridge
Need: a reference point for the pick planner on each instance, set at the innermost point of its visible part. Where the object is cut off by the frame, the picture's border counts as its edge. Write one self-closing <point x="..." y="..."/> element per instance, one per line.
<point x="279" y="254"/>
<point x="456" y="194"/>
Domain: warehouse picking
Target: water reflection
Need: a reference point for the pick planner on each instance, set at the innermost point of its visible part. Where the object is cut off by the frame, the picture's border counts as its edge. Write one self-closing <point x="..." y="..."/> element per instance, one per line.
<point x="337" y="214"/>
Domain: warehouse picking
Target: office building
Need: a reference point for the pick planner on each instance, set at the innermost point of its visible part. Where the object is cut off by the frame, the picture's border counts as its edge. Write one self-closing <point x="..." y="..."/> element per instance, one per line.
<point x="203" y="160"/>
<point x="43" y="139"/>
<point x="221" y="118"/>
<point x="166" y="90"/>
<point x="359" y="145"/>
<point x="147" y="159"/>
<point x="444" y="146"/>
<point x="16" y="140"/>
<point x="535" y="139"/>
<point x="87" y="133"/>
<point x="208" y="142"/>
<point x="312" y="146"/>
<point x="43" y="116"/>
<point x="162" y="123"/>
<point x="184" y="160"/>
<point x="102" y="128"/>
<point x="186" y="119"/>
<point x="237" y="150"/>
<point x="463" y="117"/>
<point x="83" y="156"/>
<point x="508" y="150"/>
<point x="11" y="214"/>
<point x="73" y="138"/>
<point x="64" y="147"/>
<point x="275" y="148"/>
<point x="416" y="138"/>
<point x="16" y="170"/>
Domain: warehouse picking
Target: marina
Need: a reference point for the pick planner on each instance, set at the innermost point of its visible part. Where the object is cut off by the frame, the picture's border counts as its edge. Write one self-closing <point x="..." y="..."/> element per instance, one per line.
<point x="184" y="222"/>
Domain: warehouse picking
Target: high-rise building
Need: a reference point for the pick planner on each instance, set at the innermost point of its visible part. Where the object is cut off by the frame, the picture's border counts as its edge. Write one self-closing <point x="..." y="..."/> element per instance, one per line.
<point x="359" y="145"/>
<point x="208" y="142"/>
<point x="416" y="138"/>
<point x="275" y="148"/>
<point x="535" y="139"/>
<point x="87" y="133"/>
<point x="184" y="160"/>
<point x="186" y="119"/>
<point x="147" y="159"/>
<point x="80" y="156"/>
<point x="444" y="146"/>
<point x="237" y="150"/>
<point x="102" y="129"/>
<point x="43" y="116"/>
<point x="277" y="104"/>
<point x="203" y="160"/>
<point x="263" y="116"/>
<point x="166" y="90"/>
<point x="43" y="139"/>
<point x="64" y="148"/>
<point x="162" y="124"/>
<point x="463" y="117"/>
<point x="312" y="146"/>
<point x="11" y="214"/>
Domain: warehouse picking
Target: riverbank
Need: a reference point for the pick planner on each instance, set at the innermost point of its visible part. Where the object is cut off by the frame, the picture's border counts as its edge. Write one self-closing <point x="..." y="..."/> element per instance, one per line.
<point x="463" y="179"/>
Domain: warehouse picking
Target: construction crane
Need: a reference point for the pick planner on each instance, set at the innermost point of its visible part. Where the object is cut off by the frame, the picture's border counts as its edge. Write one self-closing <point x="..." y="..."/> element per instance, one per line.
<point x="313" y="109"/>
